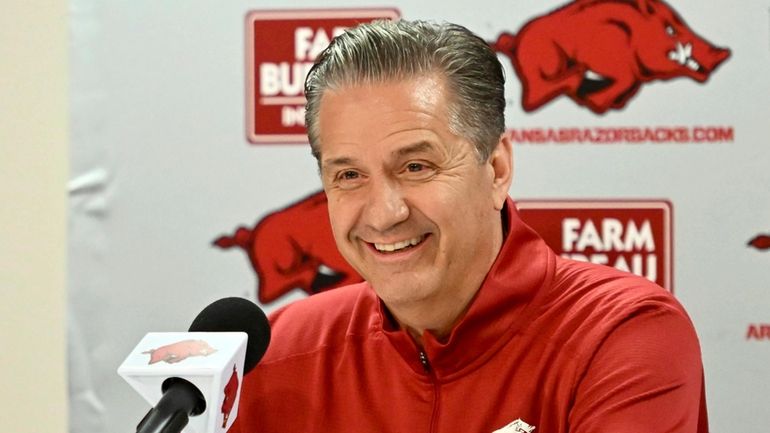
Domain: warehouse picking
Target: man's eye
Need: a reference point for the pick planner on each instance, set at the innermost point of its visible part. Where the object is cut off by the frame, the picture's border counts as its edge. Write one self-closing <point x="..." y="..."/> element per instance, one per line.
<point x="414" y="167"/>
<point x="348" y="179"/>
<point x="418" y="171"/>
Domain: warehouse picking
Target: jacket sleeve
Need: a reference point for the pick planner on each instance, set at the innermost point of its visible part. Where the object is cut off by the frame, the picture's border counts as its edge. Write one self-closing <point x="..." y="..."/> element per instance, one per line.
<point x="646" y="376"/>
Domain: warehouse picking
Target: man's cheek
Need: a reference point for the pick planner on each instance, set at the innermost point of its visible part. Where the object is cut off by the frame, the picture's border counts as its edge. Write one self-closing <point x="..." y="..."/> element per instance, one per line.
<point x="340" y="235"/>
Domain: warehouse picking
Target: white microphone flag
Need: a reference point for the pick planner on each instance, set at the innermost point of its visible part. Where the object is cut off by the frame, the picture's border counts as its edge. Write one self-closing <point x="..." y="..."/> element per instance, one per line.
<point x="212" y="361"/>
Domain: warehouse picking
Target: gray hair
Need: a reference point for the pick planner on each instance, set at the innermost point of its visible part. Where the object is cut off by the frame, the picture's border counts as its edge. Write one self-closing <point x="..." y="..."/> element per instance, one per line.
<point x="396" y="50"/>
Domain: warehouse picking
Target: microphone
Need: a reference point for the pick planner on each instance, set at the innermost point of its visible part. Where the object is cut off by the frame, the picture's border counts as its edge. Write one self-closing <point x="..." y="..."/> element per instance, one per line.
<point x="199" y="373"/>
<point x="237" y="315"/>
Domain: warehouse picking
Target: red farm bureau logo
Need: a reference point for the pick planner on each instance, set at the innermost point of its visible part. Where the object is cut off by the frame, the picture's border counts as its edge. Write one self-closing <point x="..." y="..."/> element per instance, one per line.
<point x="281" y="48"/>
<point x="293" y="248"/>
<point x="633" y="236"/>
<point x="231" y="394"/>
<point x="179" y="351"/>
<point x="600" y="52"/>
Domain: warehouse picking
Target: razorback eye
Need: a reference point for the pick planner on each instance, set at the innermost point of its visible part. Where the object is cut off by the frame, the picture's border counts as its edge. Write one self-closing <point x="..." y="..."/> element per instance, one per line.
<point x="670" y="30"/>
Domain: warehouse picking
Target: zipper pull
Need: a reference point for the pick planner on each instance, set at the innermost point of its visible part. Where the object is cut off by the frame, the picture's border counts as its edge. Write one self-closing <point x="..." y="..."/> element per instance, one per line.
<point x="424" y="361"/>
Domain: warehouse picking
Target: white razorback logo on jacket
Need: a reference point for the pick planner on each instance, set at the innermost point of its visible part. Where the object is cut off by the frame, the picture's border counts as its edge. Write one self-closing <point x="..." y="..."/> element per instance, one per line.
<point x="517" y="426"/>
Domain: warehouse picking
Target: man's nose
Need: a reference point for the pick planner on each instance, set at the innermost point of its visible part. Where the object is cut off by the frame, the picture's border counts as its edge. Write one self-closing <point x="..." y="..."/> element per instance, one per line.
<point x="386" y="206"/>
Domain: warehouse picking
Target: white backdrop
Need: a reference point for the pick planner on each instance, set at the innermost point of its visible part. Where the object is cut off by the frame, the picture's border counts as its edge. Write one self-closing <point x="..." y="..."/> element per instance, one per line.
<point x="162" y="166"/>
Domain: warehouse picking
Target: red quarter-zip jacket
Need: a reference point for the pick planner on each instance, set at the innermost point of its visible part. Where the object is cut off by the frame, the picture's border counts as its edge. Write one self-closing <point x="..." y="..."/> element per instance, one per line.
<point x="548" y="345"/>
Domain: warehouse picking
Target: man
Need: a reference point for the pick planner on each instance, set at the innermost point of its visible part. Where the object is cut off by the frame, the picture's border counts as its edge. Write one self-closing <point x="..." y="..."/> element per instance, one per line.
<point x="467" y="321"/>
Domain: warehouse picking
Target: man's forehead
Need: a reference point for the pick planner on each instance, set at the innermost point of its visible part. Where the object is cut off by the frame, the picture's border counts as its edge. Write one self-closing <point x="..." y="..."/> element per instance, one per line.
<point x="419" y="147"/>
<point x="402" y="117"/>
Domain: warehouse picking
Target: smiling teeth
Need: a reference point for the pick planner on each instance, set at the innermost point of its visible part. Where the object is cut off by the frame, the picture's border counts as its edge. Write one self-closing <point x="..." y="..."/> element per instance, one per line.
<point x="399" y="245"/>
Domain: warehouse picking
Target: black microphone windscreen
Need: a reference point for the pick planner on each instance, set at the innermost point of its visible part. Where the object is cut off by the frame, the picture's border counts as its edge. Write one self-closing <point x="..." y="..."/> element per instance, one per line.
<point x="237" y="315"/>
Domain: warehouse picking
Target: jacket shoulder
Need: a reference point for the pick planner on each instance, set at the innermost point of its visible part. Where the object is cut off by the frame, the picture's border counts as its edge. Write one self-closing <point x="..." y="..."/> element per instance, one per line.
<point x="604" y="285"/>
<point x="314" y="323"/>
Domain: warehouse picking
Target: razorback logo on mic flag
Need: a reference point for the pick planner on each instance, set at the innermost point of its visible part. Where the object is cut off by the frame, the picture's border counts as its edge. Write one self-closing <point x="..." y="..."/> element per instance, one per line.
<point x="179" y="351"/>
<point x="599" y="53"/>
<point x="230" y="396"/>
<point x="281" y="48"/>
<point x="631" y="235"/>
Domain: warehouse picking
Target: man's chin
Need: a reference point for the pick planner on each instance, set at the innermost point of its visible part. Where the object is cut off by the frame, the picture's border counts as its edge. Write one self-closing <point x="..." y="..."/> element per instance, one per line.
<point x="401" y="295"/>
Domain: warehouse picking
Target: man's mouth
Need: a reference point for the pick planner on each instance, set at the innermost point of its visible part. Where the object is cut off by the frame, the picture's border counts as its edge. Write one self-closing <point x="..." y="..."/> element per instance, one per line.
<point x="399" y="246"/>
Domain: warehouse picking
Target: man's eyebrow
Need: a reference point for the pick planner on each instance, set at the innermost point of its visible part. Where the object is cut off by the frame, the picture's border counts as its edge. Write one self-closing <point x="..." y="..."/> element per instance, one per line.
<point x="422" y="146"/>
<point x="343" y="160"/>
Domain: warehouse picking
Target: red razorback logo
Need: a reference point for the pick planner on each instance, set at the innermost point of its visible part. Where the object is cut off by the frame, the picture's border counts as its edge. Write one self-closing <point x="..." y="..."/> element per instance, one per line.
<point x="179" y="351"/>
<point x="600" y="52"/>
<point x="230" y="391"/>
<point x="293" y="248"/>
<point x="760" y="242"/>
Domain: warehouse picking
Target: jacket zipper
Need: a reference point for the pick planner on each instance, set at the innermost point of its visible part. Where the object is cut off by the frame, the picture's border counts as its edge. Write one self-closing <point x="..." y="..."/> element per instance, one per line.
<point x="426" y="365"/>
<point x="424" y="362"/>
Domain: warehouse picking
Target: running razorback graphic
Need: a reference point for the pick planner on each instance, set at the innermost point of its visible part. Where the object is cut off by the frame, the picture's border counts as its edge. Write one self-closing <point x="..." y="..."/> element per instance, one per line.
<point x="179" y="351"/>
<point x="230" y="392"/>
<point x="760" y="242"/>
<point x="600" y="52"/>
<point x="293" y="248"/>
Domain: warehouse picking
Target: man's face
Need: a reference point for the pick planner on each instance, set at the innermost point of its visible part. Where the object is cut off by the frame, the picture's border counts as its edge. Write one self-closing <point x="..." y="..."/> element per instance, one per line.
<point x="411" y="207"/>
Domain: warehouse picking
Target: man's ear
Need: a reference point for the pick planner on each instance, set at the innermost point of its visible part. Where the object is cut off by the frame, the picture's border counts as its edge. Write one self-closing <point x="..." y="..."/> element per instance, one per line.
<point x="501" y="165"/>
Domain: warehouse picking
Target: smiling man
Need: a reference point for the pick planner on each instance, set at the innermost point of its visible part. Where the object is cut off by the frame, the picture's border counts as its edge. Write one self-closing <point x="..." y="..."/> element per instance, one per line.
<point x="411" y="206"/>
<point x="467" y="321"/>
